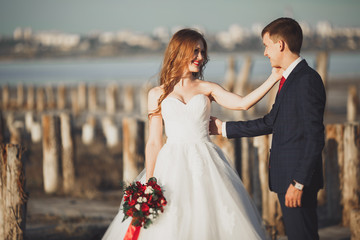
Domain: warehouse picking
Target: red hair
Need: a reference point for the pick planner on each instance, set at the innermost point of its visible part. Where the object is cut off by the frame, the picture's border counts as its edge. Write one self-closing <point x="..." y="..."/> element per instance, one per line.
<point x="177" y="57"/>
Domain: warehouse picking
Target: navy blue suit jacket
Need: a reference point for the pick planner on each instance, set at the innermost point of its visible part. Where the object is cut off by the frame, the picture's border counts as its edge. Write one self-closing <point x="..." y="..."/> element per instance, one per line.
<point x="296" y="122"/>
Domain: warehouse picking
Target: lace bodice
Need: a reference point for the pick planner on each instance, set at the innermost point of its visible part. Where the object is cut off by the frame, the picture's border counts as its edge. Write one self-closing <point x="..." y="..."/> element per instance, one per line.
<point x="186" y="122"/>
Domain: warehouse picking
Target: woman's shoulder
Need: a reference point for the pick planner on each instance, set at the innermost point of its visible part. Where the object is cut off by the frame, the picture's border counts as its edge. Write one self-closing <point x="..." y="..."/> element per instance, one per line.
<point x="156" y="92"/>
<point x="206" y="85"/>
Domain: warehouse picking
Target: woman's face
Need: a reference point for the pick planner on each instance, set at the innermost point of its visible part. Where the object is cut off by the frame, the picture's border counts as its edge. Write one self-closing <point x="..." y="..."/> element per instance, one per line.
<point x="198" y="57"/>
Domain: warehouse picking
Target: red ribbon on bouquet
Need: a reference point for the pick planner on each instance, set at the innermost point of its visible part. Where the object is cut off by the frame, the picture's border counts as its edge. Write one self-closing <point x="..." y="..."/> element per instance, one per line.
<point x="132" y="232"/>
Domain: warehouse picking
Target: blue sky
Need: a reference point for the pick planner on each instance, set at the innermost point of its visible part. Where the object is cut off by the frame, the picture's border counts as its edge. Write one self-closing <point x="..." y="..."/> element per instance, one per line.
<point x="84" y="16"/>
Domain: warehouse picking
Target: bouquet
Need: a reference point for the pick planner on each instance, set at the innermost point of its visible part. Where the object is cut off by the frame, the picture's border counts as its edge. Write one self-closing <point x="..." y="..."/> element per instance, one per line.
<point x="144" y="203"/>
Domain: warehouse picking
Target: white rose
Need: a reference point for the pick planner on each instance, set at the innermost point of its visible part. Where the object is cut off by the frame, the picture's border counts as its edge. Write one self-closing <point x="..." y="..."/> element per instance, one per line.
<point x="151" y="217"/>
<point x="139" y="199"/>
<point x="137" y="206"/>
<point x="149" y="190"/>
<point x="144" y="199"/>
<point x="151" y="210"/>
<point x="158" y="211"/>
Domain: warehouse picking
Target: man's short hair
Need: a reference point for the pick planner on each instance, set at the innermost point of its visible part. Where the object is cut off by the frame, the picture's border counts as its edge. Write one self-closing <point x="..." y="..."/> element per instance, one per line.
<point x="286" y="29"/>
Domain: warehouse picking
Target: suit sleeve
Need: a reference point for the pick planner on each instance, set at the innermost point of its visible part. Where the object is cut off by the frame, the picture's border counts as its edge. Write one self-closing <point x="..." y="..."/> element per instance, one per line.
<point x="252" y="128"/>
<point x="311" y="97"/>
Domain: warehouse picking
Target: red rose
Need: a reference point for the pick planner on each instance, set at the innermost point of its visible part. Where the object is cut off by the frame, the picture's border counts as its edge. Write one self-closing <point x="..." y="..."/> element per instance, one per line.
<point x="144" y="207"/>
<point x="130" y="212"/>
<point x="132" y="202"/>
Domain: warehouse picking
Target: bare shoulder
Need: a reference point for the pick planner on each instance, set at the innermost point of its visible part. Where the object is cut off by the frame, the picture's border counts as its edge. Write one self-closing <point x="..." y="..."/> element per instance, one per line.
<point x="207" y="86"/>
<point x="155" y="93"/>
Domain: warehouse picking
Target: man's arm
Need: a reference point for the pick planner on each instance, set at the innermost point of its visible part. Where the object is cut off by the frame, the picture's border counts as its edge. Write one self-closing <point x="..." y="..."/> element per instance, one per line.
<point x="311" y="100"/>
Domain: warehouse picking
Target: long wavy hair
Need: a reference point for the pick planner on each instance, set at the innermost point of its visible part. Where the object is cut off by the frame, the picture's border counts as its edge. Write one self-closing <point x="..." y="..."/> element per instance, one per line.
<point x="178" y="55"/>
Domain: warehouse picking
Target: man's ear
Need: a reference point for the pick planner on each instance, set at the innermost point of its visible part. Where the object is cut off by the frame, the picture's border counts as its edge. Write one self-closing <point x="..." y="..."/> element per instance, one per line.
<point x="282" y="45"/>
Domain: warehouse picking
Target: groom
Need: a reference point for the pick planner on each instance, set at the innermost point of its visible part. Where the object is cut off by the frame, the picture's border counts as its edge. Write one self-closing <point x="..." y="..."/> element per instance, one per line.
<point x="296" y="122"/>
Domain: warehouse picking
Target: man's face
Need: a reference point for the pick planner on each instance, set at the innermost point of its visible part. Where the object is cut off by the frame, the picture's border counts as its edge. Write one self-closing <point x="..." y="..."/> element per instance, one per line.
<point x="272" y="50"/>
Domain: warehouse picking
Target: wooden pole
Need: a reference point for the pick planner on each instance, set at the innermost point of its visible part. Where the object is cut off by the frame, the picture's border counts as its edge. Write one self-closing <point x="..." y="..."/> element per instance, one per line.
<point x="228" y="147"/>
<point x="243" y="77"/>
<point x="50" y="97"/>
<point x="111" y="132"/>
<point x="30" y="102"/>
<point x="322" y="60"/>
<point x="246" y="176"/>
<point x="36" y="132"/>
<point x="352" y="104"/>
<point x="351" y="189"/>
<point x="68" y="156"/>
<point x="88" y="131"/>
<point x="2" y="128"/>
<point x="82" y="96"/>
<point x="51" y="153"/>
<point x="20" y="96"/>
<point x="111" y="99"/>
<point x="5" y="97"/>
<point x="92" y="98"/>
<point x="133" y="148"/>
<point x="261" y="143"/>
<point x="40" y="99"/>
<point x="230" y="75"/>
<point x="333" y="162"/>
<point x="144" y="99"/>
<point x="355" y="224"/>
<point x="74" y="101"/>
<point x="129" y="104"/>
<point x="61" y="97"/>
<point x="14" y="198"/>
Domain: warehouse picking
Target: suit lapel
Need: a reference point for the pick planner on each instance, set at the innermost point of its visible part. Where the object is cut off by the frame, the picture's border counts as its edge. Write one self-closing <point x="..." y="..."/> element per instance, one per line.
<point x="288" y="82"/>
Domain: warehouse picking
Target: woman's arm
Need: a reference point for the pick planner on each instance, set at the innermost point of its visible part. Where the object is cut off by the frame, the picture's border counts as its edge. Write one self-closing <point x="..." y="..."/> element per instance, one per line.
<point x="235" y="102"/>
<point x="155" y="141"/>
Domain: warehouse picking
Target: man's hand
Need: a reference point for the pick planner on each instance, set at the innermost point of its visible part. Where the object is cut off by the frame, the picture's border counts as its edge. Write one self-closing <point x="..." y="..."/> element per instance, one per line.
<point x="293" y="197"/>
<point x="215" y="126"/>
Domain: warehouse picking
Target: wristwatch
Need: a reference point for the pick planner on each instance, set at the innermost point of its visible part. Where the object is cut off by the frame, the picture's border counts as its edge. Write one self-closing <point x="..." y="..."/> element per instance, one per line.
<point x="297" y="185"/>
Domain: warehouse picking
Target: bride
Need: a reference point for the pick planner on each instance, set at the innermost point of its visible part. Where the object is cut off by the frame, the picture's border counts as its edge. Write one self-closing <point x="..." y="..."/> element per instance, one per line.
<point x="206" y="198"/>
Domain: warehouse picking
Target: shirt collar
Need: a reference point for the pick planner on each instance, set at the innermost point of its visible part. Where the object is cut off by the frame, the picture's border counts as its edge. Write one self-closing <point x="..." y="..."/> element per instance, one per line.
<point x="287" y="72"/>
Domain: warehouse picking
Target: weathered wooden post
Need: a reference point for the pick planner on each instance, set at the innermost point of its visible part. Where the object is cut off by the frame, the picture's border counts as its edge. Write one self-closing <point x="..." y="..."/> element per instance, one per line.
<point x="40" y="99"/>
<point x="351" y="190"/>
<point x="144" y="98"/>
<point x="13" y="193"/>
<point x="20" y="96"/>
<point x="36" y="132"/>
<point x="322" y="60"/>
<point x="92" y="104"/>
<point x="61" y="97"/>
<point x="82" y="96"/>
<point x="111" y="99"/>
<point x="355" y="224"/>
<point x="88" y="131"/>
<point x="51" y="153"/>
<point x="129" y="104"/>
<point x="230" y="75"/>
<point x="74" y="101"/>
<point x="2" y="126"/>
<point x="30" y="99"/>
<point x="333" y="162"/>
<point x="68" y="156"/>
<point x="133" y="148"/>
<point x="261" y="143"/>
<point x="111" y="132"/>
<point x="50" y="97"/>
<point x="246" y="170"/>
<point x="352" y="104"/>
<point x="5" y="97"/>
<point x="29" y="120"/>
<point x="243" y="76"/>
<point x="228" y="146"/>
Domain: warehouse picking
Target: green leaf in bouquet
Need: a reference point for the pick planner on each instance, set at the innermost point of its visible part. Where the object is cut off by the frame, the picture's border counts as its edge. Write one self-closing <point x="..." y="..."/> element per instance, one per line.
<point x="148" y="222"/>
<point x="125" y="217"/>
<point x="152" y="179"/>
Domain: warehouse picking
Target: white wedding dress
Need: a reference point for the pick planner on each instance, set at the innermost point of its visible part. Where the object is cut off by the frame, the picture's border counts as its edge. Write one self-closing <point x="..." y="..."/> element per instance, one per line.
<point x="206" y="198"/>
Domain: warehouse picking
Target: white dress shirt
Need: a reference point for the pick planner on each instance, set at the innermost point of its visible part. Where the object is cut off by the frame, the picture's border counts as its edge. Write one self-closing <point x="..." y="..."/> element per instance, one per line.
<point x="286" y="74"/>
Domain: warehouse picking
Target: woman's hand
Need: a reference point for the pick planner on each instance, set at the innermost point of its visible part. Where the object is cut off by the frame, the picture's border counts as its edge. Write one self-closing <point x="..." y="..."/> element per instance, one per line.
<point x="276" y="74"/>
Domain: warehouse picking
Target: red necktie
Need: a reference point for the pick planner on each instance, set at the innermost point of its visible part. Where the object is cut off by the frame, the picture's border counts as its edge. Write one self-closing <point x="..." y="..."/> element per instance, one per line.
<point x="281" y="83"/>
